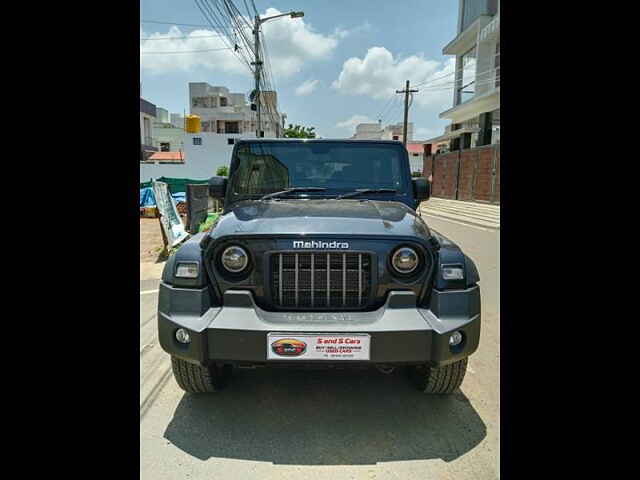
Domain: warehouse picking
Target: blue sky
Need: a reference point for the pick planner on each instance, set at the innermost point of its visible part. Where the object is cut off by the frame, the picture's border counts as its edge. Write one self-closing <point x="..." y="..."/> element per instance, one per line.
<point x="335" y="67"/>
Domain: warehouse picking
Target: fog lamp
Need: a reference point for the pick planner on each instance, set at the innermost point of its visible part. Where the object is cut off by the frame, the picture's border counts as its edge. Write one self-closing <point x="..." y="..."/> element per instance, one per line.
<point x="452" y="273"/>
<point x="455" y="339"/>
<point x="187" y="270"/>
<point x="183" y="336"/>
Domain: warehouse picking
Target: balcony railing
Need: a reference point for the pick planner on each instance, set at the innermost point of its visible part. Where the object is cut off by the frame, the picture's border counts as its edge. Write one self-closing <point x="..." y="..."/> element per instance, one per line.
<point x="490" y="29"/>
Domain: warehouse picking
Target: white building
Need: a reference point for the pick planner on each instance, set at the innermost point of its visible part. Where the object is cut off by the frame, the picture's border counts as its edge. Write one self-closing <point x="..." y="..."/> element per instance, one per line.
<point x="375" y="131"/>
<point x="224" y="117"/>
<point x="162" y="115"/>
<point x="177" y="120"/>
<point x="224" y="112"/>
<point x="147" y="117"/>
<point x="475" y="114"/>
<point x="167" y="137"/>
<point x="199" y="163"/>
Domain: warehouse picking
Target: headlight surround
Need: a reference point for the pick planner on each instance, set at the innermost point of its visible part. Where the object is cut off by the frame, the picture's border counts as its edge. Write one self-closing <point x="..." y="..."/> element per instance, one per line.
<point x="405" y="260"/>
<point x="234" y="259"/>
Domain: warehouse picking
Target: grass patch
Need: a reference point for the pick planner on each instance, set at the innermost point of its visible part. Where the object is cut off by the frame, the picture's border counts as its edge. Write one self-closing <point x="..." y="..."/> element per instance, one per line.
<point x="208" y="223"/>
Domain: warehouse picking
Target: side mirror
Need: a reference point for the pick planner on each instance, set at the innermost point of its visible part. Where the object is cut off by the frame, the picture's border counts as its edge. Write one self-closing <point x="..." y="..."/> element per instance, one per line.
<point x="217" y="187"/>
<point x="421" y="189"/>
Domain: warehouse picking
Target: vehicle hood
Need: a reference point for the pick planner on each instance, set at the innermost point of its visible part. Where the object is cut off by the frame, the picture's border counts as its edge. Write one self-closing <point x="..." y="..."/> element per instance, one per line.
<point x="321" y="217"/>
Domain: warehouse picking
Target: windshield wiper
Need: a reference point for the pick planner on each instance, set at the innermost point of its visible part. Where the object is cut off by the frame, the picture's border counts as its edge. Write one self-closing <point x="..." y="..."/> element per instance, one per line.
<point x="292" y="190"/>
<point x="366" y="190"/>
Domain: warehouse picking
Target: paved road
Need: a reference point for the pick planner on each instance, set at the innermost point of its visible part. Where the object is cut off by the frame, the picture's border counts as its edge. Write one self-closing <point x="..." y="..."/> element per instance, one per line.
<point x="471" y="213"/>
<point x="327" y="425"/>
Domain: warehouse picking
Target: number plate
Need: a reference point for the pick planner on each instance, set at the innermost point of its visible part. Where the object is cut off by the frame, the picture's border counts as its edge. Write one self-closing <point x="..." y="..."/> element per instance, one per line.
<point x="318" y="346"/>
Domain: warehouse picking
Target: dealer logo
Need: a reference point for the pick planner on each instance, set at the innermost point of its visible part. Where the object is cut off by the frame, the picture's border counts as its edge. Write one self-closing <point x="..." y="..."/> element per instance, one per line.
<point x="288" y="347"/>
<point x="320" y="245"/>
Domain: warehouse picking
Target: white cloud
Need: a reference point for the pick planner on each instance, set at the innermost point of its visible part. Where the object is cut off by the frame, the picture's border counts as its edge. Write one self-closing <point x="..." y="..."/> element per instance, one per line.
<point x="290" y="42"/>
<point x="307" y="87"/>
<point x="378" y="75"/>
<point x="160" y="63"/>
<point x="422" y="133"/>
<point x="344" y="33"/>
<point x="351" y="123"/>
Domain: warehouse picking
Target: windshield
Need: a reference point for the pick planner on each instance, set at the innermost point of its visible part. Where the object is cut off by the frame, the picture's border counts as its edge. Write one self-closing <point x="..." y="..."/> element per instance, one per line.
<point x="262" y="168"/>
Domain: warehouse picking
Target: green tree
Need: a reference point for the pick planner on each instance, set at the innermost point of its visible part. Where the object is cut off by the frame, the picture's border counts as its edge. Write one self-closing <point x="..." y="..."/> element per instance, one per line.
<point x="298" y="131"/>
<point x="222" y="171"/>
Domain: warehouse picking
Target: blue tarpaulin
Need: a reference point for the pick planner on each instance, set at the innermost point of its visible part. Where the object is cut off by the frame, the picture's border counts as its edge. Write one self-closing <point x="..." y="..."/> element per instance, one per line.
<point x="148" y="199"/>
<point x="179" y="197"/>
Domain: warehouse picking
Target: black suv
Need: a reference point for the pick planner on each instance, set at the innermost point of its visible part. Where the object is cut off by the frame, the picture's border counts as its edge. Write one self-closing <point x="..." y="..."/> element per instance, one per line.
<point x="319" y="258"/>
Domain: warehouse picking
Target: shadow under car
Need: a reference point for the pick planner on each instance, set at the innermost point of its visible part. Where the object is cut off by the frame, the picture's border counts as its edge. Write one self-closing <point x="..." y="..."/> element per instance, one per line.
<point x="324" y="417"/>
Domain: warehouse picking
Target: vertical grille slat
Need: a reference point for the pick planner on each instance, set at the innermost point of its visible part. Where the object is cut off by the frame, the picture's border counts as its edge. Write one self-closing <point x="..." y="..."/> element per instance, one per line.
<point x="280" y="278"/>
<point x="328" y="279"/>
<point x="320" y="281"/>
<point x="313" y="273"/>
<point x="297" y="272"/>
<point x="359" y="279"/>
<point x="344" y="279"/>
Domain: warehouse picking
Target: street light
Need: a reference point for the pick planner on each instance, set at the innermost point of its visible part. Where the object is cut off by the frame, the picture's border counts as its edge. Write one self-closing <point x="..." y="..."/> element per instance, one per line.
<point x="256" y="32"/>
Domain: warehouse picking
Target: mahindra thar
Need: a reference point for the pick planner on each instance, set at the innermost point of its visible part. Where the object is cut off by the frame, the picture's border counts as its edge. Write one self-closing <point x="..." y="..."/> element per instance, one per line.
<point x="320" y="259"/>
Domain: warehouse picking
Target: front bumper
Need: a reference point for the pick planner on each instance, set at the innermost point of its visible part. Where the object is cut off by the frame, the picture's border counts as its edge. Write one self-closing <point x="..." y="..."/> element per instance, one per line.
<point x="237" y="332"/>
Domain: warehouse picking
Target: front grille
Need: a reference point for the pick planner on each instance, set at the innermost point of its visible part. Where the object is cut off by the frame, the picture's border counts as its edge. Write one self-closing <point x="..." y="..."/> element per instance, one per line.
<point x="320" y="280"/>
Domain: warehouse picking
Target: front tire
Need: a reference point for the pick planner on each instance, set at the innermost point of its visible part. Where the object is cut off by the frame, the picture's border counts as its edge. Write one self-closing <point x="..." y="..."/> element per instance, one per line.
<point x="197" y="379"/>
<point x="439" y="380"/>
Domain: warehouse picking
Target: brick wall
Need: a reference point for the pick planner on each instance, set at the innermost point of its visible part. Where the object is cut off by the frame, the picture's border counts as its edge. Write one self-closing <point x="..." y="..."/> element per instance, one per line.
<point x="471" y="174"/>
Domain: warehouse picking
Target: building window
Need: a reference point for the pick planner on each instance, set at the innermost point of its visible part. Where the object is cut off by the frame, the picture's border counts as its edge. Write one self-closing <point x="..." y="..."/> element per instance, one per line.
<point x="497" y="64"/>
<point x="396" y="137"/>
<point x="147" y="127"/>
<point x="472" y="9"/>
<point x="230" y="141"/>
<point x="197" y="140"/>
<point x="466" y="89"/>
<point x="232" y="127"/>
<point x="261" y="133"/>
<point x="223" y="101"/>
<point x="165" y="147"/>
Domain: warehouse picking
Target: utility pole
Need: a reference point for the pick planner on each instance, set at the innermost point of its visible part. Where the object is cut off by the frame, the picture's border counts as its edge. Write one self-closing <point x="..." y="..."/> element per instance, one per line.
<point x="406" y="92"/>
<point x="258" y="65"/>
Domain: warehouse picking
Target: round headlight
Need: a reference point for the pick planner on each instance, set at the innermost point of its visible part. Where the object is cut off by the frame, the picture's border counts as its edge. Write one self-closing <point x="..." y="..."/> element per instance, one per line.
<point x="405" y="260"/>
<point x="234" y="259"/>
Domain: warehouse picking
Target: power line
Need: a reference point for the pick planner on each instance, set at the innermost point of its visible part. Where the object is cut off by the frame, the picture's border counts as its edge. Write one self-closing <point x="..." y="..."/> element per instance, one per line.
<point x="425" y="81"/>
<point x="389" y="102"/>
<point x="188" y="51"/>
<point x="183" y="37"/>
<point x="216" y="21"/>
<point x="452" y="85"/>
<point x="174" y="23"/>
